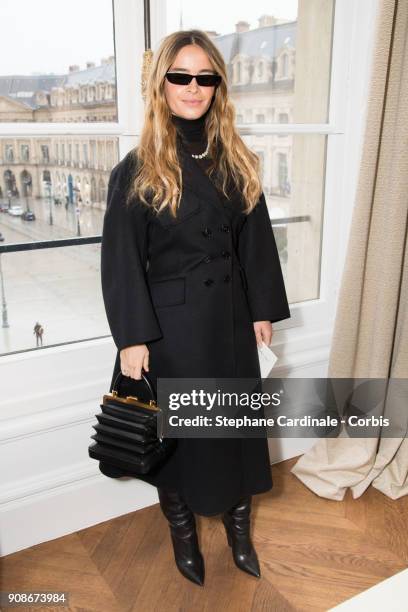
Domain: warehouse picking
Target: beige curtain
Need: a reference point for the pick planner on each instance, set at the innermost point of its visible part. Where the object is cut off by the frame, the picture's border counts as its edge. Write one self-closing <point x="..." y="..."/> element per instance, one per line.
<point x="371" y="328"/>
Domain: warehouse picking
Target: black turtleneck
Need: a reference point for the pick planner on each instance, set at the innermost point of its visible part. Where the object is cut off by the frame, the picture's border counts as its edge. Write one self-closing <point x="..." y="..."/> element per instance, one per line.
<point x="194" y="140"/>
<point x="192" y="132"/>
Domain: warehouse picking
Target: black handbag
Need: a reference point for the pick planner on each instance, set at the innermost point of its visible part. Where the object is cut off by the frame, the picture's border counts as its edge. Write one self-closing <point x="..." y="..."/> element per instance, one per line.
<point x="126" y="439"/>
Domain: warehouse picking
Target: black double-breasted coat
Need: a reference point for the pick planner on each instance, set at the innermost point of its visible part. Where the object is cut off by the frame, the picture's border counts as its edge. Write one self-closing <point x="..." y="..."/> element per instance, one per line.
<point x="190" y="289"/>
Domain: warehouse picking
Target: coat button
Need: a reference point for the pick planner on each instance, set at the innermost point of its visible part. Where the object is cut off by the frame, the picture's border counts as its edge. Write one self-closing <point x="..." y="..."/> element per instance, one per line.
<point x="208" y="281"/>
<point x="207" y="232"/>
<point x="226" y="254"/>
<point x="207" y="259"/>
<point x="227" y="278"/>
<point x="225" y="228"/>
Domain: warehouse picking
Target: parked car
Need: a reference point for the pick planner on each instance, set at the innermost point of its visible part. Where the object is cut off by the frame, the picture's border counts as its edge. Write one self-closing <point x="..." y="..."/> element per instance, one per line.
<point x="16" y="211"/>
<point x="4" y="206"/>
<point x="28" y="215"/>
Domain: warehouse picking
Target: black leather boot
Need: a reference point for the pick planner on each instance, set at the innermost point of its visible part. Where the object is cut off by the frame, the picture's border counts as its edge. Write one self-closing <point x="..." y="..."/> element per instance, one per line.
<point x="188" y="557"/>
<point x="237" y="525"/>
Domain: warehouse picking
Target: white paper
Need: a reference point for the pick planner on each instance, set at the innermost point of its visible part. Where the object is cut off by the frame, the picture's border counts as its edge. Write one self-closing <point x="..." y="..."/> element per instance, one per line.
<point x="267" y="359"/>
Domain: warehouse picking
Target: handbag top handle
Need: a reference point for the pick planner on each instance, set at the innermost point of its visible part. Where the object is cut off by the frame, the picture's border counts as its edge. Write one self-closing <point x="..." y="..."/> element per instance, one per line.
<point x="120" y="377"/>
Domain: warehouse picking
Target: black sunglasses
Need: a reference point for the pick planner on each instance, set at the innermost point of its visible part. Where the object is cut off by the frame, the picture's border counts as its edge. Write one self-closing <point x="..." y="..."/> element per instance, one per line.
<point x="203" y="80"/>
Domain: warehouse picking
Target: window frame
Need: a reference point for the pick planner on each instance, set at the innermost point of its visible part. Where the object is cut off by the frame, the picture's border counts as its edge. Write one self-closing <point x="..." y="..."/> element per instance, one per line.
<point x="309" y="329"/>
<point x="353" y="37"/>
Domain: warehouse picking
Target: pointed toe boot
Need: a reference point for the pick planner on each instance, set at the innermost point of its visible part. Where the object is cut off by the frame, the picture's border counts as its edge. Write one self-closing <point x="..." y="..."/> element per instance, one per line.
<point x="187" y="554"/>
<point x="236" y="521"/>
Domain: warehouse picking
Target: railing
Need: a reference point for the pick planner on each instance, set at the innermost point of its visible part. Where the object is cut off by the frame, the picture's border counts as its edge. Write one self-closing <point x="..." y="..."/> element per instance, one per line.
<point x="48" y="244"/>
<point x="67" y="242"/>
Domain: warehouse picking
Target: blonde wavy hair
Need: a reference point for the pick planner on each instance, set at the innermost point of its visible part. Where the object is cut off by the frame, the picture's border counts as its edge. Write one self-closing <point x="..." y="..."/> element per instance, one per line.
<point x="158" y="178"/>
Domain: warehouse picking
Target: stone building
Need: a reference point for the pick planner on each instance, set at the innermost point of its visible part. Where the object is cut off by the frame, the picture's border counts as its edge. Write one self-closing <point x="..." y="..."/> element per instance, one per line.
<point x="73" y="167"/>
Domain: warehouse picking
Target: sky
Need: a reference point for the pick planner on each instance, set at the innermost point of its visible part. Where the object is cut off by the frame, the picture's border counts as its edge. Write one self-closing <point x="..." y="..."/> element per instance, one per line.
<point x="222" y="16"/>
<point x="46" y="36"/>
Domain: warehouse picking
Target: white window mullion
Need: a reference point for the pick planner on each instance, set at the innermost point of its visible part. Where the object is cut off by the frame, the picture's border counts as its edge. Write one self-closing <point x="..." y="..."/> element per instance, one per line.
<point x="129" y="47"/>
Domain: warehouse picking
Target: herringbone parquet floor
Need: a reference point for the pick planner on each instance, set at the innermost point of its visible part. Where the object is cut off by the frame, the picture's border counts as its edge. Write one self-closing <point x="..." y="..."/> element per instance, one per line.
<point x="314" y="553"/>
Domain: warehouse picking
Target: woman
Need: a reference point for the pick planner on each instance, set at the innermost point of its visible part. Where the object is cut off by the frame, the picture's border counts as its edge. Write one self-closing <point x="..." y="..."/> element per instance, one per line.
<point x="191" y="286"/>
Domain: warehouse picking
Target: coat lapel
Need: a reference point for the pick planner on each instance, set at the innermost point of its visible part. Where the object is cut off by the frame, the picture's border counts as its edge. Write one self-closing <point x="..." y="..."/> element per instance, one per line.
<point x="196" y="180"/>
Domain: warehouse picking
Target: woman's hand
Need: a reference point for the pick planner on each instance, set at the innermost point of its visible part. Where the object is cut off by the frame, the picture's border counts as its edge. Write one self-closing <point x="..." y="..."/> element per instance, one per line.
<point x="133" y="359"/>
<point x="263" y="332"/>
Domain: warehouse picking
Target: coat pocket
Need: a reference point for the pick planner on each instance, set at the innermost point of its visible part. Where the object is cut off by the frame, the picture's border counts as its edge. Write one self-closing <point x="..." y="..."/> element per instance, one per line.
<point x="168" y="292"/>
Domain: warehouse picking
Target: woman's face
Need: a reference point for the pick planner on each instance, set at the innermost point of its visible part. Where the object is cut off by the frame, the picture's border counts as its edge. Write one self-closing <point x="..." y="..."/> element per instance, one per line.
<point x="189" y="101"/>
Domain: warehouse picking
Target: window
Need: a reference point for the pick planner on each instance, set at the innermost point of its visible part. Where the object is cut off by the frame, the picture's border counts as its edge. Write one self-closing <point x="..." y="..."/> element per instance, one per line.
<point x="44" y="109"/>
<point x="238" y="71"/>
<point x="45" y="154"/>
<point x="285" y="65"/>
<point x="9" y="153"/>
<point x="25" y="153"/>
<point x="93" y="153"/>
<point x="296" y="43"/>
<point x="283" y="183"/>
<point x="301" y="92"/>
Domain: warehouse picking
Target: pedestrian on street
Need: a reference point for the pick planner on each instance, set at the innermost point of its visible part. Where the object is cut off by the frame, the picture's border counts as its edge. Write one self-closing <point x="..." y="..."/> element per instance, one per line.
<point x="38" y="331"/>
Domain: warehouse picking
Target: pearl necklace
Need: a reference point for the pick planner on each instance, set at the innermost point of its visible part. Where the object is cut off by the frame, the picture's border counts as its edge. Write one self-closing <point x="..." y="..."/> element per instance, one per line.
<point x="201" y="155"/>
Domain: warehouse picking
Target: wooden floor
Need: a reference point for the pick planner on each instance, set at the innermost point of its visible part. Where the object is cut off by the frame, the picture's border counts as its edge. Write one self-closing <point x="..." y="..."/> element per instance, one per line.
<point x="314" y="553"/>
